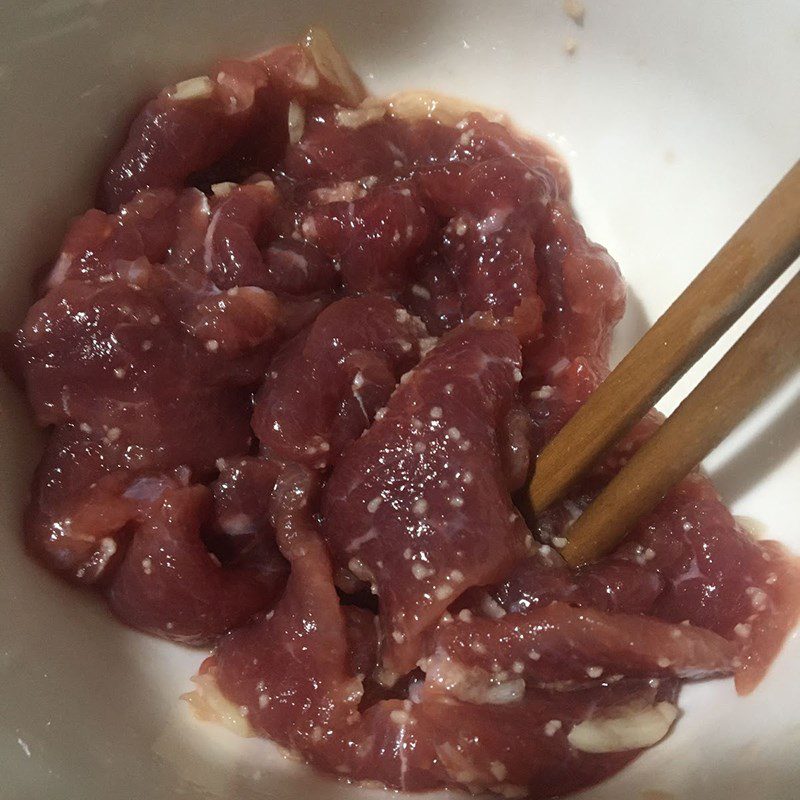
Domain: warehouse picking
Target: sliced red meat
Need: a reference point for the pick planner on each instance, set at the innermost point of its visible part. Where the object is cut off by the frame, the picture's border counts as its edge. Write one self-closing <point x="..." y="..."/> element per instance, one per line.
<point x="687" y="560"/>
<point x="170" y="585"/>
<point x="346" y="231"/>
<point x="561" y="645"/>
<point x="150" y="362"/>
<point x="183" y="130"/>
<point x="188" y="245"/>
<point x="77" y="516"/>
<point x="133" y="395"/>
<point x="718" y="576"/>
<point x="613" y="584"/>
<point x="291" y="670"/>
<point x="332" y="150"/>
<point x="583" y="293"/>
<point x="418" y="505"/>
<point x="236" y="227"/>
<point x="485" y="259"/>
<point x="242" y="532"/>
<point x="523" y="749"/>
<point x="325" y="386"/>
<point x="297" y="268"/>
<point x="237" y="115"/>
<point x="97" y="242"/>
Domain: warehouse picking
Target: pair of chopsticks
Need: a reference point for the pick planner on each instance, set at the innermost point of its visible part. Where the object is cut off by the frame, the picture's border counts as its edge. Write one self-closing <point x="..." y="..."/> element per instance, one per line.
<point x="755" y="256"/>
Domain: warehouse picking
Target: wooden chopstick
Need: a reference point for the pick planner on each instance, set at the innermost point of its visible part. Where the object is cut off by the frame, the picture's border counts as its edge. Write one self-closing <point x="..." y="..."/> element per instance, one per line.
<point x="765" y="245"/>
<point x="766" y="354"/>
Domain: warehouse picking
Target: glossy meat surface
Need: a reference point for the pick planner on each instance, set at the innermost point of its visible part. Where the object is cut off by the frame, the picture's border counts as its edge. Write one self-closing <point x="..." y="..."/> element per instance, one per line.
<point x="418" y="506"/>
<point x="297" y="366"/>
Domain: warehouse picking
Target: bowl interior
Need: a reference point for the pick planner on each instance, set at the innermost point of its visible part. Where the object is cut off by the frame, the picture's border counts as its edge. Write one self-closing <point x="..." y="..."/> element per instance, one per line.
<point x="675" y="120"/>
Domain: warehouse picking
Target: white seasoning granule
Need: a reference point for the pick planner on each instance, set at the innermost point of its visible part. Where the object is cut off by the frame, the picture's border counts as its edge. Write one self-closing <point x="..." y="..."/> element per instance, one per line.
<point x="518" y="667"/>
<point x="212" y="345"/>
<point x="594" y="672"/>
<point x="108" y="546"/>
<point x="477" y="647"/>
<point x="420" y="291"/>
<point x="420" y="571"/>
<point x="460" y="227"/>
<point x="517" y="375"/>
<point x="466" y="477"/>
<point x="758" y="598"/>
<point x="223" y="188"/>
<point x="146" y="345"/>
<point x="419" y="447"/>
<point x="498" y="770"/>
<point x="465" y="615"/>
<point x="85" y="427"/>
<point x="456" y="502"/>
<point x="119" y="372"/>
<point x="545" y="393"/>
<point x="443" y="592"/>
<point x="420" y="507"/>
<point x="113" y="434"/>
<point x="399" y="717"/>
<point x="436" y="412"/>
<point x="427" y="344"/>
<point x="456" y="576"/>
<point x="407" y="553"/>
<point x="454" y="434"/>
<point x="742" y="630"/>
<point x="296" y="122"/>
<point x="373" y="504"/>
<point x="398" y="637"/>
<point x="199" y="88"/>
<point x="559" y="542"/>
<point x="552" y="727"/>
<point x="663" y="662"/>
<point x="147" y="566"/>
<point x="263" y="701"/>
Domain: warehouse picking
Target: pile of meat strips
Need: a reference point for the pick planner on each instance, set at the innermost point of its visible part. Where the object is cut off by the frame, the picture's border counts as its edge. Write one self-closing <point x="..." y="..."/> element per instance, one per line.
<point x="298" y="364"/>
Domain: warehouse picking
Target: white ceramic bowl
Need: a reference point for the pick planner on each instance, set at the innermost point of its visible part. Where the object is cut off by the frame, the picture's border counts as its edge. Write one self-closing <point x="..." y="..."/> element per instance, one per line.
<point x="675" y="117"/>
